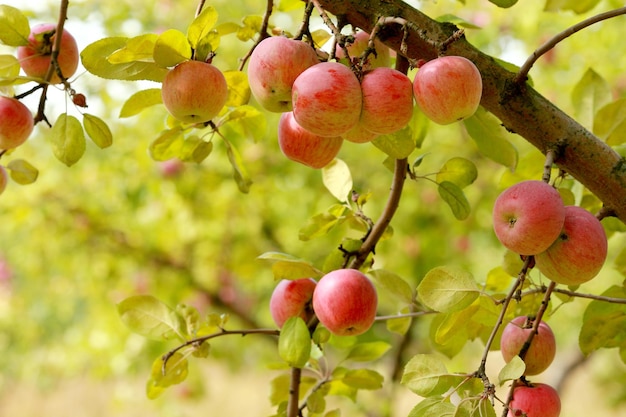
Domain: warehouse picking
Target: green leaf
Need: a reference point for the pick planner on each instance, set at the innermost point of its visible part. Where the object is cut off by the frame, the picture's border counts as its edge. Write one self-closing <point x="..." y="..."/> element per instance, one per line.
<point x="427" y="375"/>
<point x="168" y="145"/>
<point x="322" y="223"/>
<point x="195" y="149"/>
<point x="97" y="130"/>
<point x="67" y="139"/>
<point x="610" y="122"/>
<point x="512" y="370"/>
<point x="202" y="25"/>
<point x="176" y="370"/>
<point x="394" y="284"/>
<point x="139" y="101"/>
<point x="400" y="325"/>
<point x="294" y="342"/>
<point x="447" y="289"/>
<point x="459" y="171"/>
<point x="22" y="172"/>
<point x="190" y="317"/>
<point x="337" y="179"/>
<point x="577" y="6"/>
<point x="363" y="379"/>
<point x="9" y="67"/>
<point x="289" y="267"/>
<point x="14" y="26"/>
<point x="238" y="88"/>
<point x="240" y="173"/>
<point x="590" y="94"/>
<point x="368" y="351"/>
<point x="251" y="25"/>
<point x="458" y="21"/>
<point x="247" y="121"/>
<point x="604" y="324"/>
<point x="491" y="138"/>
<point x="433" y="407"/>
<point x="397" y="145"/>
<point x="453" y="195"/>
<point x="503" y="3"/>
<point x="140" y="48"/>
<point x="171" y="48"/>
<point x="149" y="317"/>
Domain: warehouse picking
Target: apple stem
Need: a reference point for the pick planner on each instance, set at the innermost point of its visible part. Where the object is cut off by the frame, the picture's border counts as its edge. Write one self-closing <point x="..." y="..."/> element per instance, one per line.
<point x="547" y="166"/>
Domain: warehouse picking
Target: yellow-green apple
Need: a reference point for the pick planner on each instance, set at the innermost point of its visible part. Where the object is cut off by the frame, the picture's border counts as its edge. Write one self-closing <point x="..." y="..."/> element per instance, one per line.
<point x="300" y="145"/>
<point x="292" y="298"/>
<point x="16" y="123"/>
<point x="542" y="349"/>
<point x="381" y="58"/>
<point x="536" y="400"/>
<point x="194" y="91"/>
<point x="528" y="217"/>
<point x="359" y="134"/>
<point x="4" y="179"/>
<point x="345" y="302"/>
<point x="327" y="99"/>
<point x="35" y="57"/>
<point x="274" y="65"/>
<point x="579" y="252"/>
<point x="448" y="89"/>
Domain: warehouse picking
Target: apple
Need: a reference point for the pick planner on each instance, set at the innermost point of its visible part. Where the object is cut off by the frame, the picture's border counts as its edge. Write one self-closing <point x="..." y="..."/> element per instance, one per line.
<point x="387" y="100"/>
<point x="194" y="91"/>
<point x="536" y="400"/>
<point x="35" y="57"/>
<point x="359" y="134"/>
<point x="327" y="99"/>
<point x="300" y="145"/>
<point x="16" y="123"/>
<point x="448" y="89"/>
<point x="382" y="58"/>
<point x="292" y="298"/>
<point x="542" y="349"/>
<point x="579" y="252"/>
<point x="274" y="65"/>
<point x="345" y="302"/>
<point x="528" y="217"/>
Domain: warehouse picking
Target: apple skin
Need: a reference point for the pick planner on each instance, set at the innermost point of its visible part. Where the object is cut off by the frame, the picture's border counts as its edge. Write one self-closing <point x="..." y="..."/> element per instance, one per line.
<point x="538" y="400"/>
<point x="356" y="48"/>
<point x="542" y="348"/>
<point x="327" y="99"/>
<point x="292" y="298"/>
<point x="300" y="145"/>
<point x="345" y="302"/>
<point x="528" y="217"/>
<point x="274" y="65"/>
<point x="194" y="91"/>
<point x="36" y="56"/>
<point x="579" y="252"/>
<point x="448" y="89"/>
<point x="16" y="123"/>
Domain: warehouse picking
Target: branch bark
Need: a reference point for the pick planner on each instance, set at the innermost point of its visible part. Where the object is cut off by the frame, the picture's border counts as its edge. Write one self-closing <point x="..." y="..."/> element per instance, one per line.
<point x="520" y="108"/>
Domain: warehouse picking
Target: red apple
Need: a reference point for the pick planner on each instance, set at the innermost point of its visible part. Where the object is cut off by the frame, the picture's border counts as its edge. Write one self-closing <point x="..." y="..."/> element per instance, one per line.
<point x="292" y="298"/>
<point x="300" y="145"/>
<point x="194" y="91"/>
<point x="274" y="65"/>
<point x="448" y="89"/>
<point x="16" y="123"/>
<point x="345" y="302"/>
<point x="36" y="56"/>
<point x="528" y="217"/>
<point x="537" y="400"/>
<point x="382" y="58"/>
<point x="542" y="348"/>
<point x="4" y="179"/>
<point x="578" y="253"/>
<point x="327" y="99"/>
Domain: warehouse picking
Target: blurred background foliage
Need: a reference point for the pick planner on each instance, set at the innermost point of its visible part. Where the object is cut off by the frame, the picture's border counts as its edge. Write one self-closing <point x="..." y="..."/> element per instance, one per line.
<point x="117" y="224"/>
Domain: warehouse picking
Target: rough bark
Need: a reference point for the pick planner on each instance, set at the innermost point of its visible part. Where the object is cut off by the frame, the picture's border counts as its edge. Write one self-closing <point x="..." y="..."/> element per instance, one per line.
<point x="520" y="108"/>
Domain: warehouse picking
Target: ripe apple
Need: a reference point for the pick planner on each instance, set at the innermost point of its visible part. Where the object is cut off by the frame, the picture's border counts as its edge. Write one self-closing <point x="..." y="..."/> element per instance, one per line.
<point x="528" y="217"/>
<point x="345" y="302"/>
<point x="194" y="91"/>
<point x="300" y="145"/>
<point x="274" y="65"/>
<point x="36" y="56"/>
<point x="448" y="89"/>
<point x="387" y="100"/>
<point x="327" y="99"/>
<point x="16" y="123"/>
<point x="292" y="298"/>
<point x="382" y="58"/>
<point x="579" y="252"/>
<point x="542" y="348"/>
<point x="536" y="400"/>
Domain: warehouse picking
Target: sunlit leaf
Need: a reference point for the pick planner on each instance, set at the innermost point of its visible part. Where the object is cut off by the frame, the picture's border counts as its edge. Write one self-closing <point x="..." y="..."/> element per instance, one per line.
<point x="171" y="48"/>
<point x="503" y="3"/>
<point x="459" y="171"/>
<point x="433" y="406"/>
<point x="176" y="370"/>
<point x="610" y="122"/>
<point x="368" y="351"/>
<point x="397" y="145"/>
<point x="195" y="149"/>
<point x="427" y="375"/>
<point x="191" y="318"/>
<point x="459" y="21"/>
<point x="139" y="48"/>
<point x="453" y="195"/>
<point x="577" y="6"/>
<point x="149" y="317"/>
<point x="247" y="121"/>
<point x="447" y="289"/>
<point x="286" y="266"/>
<point x="22" y="172"/>
<point x="322" y="223"/>
<point x="14" y="26"/>
<point x="394" y="284"/>
<point x="67" y="139"/>
<point x="251" y="25"/>
<point x="363" y="379"/>
<point x="589" y="95"/>
<point x="294" y="342"/>
<point x="238" y="88"/>
<point x="98" y="130"/>
<point x="604" y="324"/>
<point x="167" y="145"/>
<point x="337" y="179"/>
<point x="202" y="25"/>
<point x="240" y="173"/>
<point x="140" y="101"/>
<point x="9" y="66"/>
<point x="491" y="138"/>
<point x="512" y="370"/>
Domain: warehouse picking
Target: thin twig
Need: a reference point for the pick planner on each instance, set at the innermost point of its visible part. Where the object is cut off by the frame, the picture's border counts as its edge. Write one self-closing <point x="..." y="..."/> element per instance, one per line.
<point x="293" y="409"/>
<point x="570" y="293"/>
<point x="262" y="33"/>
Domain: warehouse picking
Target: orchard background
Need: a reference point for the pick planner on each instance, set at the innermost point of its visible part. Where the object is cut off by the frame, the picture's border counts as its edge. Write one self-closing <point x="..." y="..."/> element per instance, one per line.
<point x="117" y="224"/>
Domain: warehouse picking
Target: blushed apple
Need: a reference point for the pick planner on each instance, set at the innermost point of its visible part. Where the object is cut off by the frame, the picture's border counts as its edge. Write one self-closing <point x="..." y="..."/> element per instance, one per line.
<point x="194" y="91"/>
<point x="382" y="57"/>
<point x="579" y="252"/>
<point x="542" y="349"/>
<point x="448" y="89"/>
<point x="274" y="65"/>
<point x="345" y="302"/>
<point x="292" y="298"/>
<point x="536" y="400"/>
<point x="300" y="145"/>
<point x="528" y="217"/>
<point x="16" y="123"/>
<point x="327" y="99"/>
<point x="35" y="57"/>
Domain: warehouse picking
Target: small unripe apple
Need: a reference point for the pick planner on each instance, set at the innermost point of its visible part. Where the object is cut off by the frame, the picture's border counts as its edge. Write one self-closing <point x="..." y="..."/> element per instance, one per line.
<point x="448" y="89"/>
<point x="528" y="217"/>
<point x="345" y="302"/>
<point x="542" y="349"/>
<point x="537" y="400"/>
<point x="274" y="65"/>
<point x="327" y="99"/>
<point x="194" y="91"/>
<point x="300" y="145"/>
<point x="382" y="57"/>
<point x="16" y="123"/>
<point x="36" y="56"/>
<point x="578" y="253"/>
<point x="292" y="298"/>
